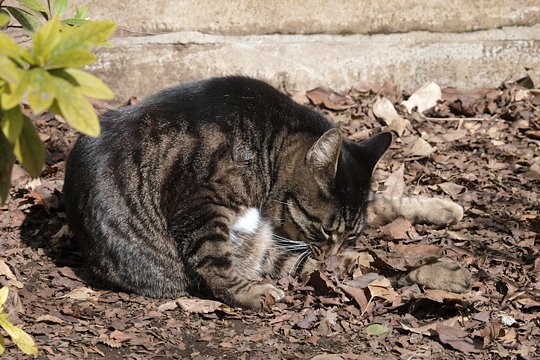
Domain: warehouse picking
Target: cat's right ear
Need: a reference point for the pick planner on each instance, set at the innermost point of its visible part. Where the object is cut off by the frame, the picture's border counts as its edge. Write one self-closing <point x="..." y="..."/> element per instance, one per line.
<point x="323" y="157"/>
<point x="372" y="149"/>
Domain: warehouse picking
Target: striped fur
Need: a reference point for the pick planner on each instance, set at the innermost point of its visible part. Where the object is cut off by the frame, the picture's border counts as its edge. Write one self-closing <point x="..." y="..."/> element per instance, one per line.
<point x="209" y="186"/>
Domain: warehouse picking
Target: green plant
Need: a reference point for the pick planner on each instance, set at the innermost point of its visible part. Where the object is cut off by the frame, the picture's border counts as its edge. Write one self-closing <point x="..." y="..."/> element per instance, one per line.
<point x="32" y="15"/>
<point x="17" y="335"/>
<point x="47" y="78"/>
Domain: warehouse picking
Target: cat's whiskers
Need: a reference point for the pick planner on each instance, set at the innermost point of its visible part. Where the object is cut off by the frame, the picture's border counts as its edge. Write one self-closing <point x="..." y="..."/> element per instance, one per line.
<point x="299" y="261"/>
<point x="281" y="242"/>
<point x="285" y="248"/>
<point x="279" y="238"/>
<point x="290" y="246"/>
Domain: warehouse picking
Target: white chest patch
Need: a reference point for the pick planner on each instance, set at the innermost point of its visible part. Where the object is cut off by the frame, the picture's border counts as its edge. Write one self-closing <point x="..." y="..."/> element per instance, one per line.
<point x="248" y="222"/>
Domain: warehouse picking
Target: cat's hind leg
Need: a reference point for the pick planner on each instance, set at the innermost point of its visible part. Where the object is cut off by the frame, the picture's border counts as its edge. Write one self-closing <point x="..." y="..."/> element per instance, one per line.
<point x="436" y="211"/>
<point x="384" y="209"/>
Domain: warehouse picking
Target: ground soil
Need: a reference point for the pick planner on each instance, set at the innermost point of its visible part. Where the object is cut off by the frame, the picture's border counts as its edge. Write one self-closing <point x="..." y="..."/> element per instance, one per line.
<point x="479" y="148"/>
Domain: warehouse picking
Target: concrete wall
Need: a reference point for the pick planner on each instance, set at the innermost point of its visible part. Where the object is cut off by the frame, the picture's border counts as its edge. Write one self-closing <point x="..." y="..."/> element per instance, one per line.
<point x="302" y="44"/>
<point x="252" y="17"/>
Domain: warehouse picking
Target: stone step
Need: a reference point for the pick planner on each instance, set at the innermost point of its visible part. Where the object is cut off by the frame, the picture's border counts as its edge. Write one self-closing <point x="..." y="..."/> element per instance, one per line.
<point x="141" y="65"/>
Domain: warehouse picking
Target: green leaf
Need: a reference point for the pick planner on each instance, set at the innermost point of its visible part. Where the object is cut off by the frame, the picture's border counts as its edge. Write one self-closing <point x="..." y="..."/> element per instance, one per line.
<point x="9" y="48"/>
<point x="75" y="22"/>
<point x="6" y="164"/>
<point x="77" y="38"/>
<point x="41" y="90"/>
<point x="81" y="12"/>
<point x="27" y="20"/>
<point x="2" y="345"/>
<point x="13" y="98"/>
<point x="72" y="58"/>
<point x="9" y="71"/>
<point x="12" y="122"/>
<point x="33" y="5"/>
<point x="45" y="39"/>
<point x="75" y="108"/>
<point x="88" y="84"/>
<point x="4" y="19"/>
<point x="60" y="7"/>
<point x="3" y="295"/>
<point x="376" y="329"/>
<point x="29" y="150"/>
<point x="19" y="336"/>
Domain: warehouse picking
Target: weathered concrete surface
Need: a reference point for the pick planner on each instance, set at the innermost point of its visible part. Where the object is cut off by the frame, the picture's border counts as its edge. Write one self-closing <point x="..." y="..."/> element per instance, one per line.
<point x="252" y="17"/>
<point x="141" y="65"/>
<point x="306" y="43"/>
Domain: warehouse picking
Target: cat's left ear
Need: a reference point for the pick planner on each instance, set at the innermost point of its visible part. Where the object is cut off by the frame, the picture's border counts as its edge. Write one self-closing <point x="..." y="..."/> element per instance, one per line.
<point x="372" y="149"/>
<point x="323" y="156"/>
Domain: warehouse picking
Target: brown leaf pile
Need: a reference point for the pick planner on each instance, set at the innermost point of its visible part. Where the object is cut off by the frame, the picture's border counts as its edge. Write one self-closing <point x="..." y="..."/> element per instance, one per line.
<point x="479" y="148"/>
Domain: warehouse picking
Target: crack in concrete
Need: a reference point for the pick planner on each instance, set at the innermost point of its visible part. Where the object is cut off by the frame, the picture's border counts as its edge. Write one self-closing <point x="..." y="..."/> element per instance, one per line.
<point x="514" y="33"/>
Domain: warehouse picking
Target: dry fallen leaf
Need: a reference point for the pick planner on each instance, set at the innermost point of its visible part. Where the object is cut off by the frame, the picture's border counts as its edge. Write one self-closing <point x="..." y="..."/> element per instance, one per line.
<point x="327" y="357"/>
<point x="11" y="280"/>
<point x="322" y="285"/>
<point x="384" y="109"/>
<point x="200" y="306"/>
<point x="113" y="343"/>
<point x="421" y="148"/>
<point x="82" y="293"/>
<point x="458" y="339"/>
<point x="439" y="296"/>
<point x="449" y="136"/>
<point x="50" y="319"/>
<point x="399" y="229"/>
<point x="430" y="329"/>
<point x="169" y="305"/>
<point x="366" y="86"/>
<point x="357" y="294"/>
<point x="452" y="189"/>
<point x="395" y="183"/>
<point x="329" y="98"/>
<point x="424" y="98"/>
<point x="416" y="255"/>
<point x="300" y="98"/>
<point x="382" y="288"/>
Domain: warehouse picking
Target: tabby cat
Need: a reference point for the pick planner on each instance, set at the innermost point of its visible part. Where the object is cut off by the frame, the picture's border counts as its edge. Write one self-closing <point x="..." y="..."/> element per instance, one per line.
<point x="209" y="186"/>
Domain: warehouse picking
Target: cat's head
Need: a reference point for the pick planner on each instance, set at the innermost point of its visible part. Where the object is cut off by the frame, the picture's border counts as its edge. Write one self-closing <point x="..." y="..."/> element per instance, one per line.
<point x="328" y="192"/>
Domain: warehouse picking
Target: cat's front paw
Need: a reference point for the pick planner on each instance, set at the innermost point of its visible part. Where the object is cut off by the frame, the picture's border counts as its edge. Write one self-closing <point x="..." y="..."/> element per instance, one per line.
<point x="259" y="296"/>
<point x="442" y="276"/>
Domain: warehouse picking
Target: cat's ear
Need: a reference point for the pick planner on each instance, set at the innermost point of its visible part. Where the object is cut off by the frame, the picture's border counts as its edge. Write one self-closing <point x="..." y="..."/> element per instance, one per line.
<point x="372" y="149"/>
<point x="323" y="156"/>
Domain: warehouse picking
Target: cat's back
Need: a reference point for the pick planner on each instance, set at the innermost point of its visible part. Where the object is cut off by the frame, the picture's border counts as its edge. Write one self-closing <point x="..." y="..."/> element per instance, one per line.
<point x="178" y="127"/>
<point x="182" y="116"/>
<point x="224" y="101"/>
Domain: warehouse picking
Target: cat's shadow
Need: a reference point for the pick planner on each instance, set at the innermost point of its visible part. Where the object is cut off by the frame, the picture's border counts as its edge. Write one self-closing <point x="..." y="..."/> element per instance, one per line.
<point x="46" y="230"/>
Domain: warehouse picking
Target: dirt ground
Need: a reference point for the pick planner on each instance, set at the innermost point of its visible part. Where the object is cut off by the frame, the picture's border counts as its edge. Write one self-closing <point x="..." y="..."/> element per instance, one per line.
<point x="479" y="148"/>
